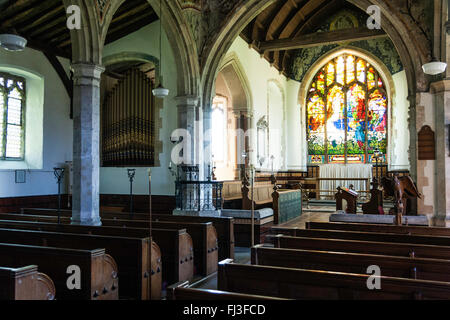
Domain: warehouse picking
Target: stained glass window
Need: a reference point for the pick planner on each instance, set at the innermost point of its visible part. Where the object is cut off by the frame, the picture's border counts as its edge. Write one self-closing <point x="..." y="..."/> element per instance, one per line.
<point x="346" y="112"/>
<point x="12" y="105"/>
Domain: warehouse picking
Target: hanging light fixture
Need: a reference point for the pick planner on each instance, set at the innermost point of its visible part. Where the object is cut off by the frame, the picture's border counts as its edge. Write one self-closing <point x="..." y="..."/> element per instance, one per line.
<point x="160" y="92"/>
<point x="11" y="41"/>
<point x="434" y="67"/>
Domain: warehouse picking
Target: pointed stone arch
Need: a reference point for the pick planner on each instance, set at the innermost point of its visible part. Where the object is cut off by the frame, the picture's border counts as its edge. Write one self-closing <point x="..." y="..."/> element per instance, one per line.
<point x="87" y="43"/>
<point x="236" y="70"/>
<point x="409" y="41"/>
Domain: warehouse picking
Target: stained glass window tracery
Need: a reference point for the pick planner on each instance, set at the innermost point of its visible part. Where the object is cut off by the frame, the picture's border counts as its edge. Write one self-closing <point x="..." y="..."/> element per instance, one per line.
<point x="347" y="112"/>
<point x="12" y="105"/>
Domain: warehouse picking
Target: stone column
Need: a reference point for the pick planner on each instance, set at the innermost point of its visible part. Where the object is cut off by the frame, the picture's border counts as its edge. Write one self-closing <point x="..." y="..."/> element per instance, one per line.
<point x="188" y="124"/>
<point x="86" y="144"/>
<point x="441" y="91"/>
<point x="424" y="115"/>
<point x="242" y="137"/>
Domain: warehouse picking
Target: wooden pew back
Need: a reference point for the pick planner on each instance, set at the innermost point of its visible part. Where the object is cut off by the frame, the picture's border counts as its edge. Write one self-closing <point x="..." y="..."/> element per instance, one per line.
<point x="95" y="266"/>
<point x="391" y="266"/>
<point x="25" y="283"/>
<point x="365" y="247"/>
<point x="176" y="245"/>
<point x="262" y="195"/>
<point x="181" y="291"/>
<point x="381" y="228"/>
<point x="319" y="285"/>
<point x="372" y="236"/>
<point x="224" y="225"/>
<point x="130" y="254"/>
<point x="204" y="236"/>
<point x="232" y="190"/>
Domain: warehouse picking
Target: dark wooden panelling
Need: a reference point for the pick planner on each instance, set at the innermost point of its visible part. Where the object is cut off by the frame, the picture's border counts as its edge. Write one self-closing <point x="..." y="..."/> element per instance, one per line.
<point x="427" y="144"/>
<point x="11" y="205"/>
<point x="160" y="204"/>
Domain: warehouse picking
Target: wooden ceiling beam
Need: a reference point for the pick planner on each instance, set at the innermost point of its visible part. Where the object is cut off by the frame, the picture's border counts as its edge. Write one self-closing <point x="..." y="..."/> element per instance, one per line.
<point x="143" y="7"/>
<point x="43" y="19"/>
<point x="31" y="10"/>
<point x="17" y="6"/>
<point x="321" y="38"/>
<point x="49" y="28"/>
<point x="329" y="6"/>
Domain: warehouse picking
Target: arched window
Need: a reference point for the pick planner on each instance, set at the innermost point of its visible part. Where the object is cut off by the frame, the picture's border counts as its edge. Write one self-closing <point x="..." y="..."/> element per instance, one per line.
<point x="12" y="105"/>
<point x="347" y="113"/>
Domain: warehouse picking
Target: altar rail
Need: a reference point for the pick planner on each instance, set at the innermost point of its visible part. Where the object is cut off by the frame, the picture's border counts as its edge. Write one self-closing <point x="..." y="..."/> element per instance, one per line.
<point x="329" y="194"/>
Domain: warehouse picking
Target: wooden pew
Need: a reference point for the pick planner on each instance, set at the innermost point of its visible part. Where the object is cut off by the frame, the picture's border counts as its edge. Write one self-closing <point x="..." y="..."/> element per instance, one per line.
<point x="232" y="194"/>
<point x="95" y="266"/>
<point x="224" y="225"/>
<point x="181" y="291"/>
<point x="205" y="240"/>
<point x="204" y="236"/>
<point x="176" y="245"/>
<point x="372" y="236"/>
<point x="365" y="247"/>
<point x="413" y="230"/>
<point x="322" y="285"/>
<point x="262" y="196"/>
<point x="130" y="254"/>
<point x="224" y="228"/>
<point x="391" y="266"/>
<point x="25" y="283"/>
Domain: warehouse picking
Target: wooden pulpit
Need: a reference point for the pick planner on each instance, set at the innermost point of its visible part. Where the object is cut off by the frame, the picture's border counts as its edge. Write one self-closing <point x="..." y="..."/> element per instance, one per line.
<point x="350" y="196"/>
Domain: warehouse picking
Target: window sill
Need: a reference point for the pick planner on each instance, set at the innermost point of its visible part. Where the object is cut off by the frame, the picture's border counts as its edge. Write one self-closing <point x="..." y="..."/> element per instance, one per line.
<point x="15" y="165"/>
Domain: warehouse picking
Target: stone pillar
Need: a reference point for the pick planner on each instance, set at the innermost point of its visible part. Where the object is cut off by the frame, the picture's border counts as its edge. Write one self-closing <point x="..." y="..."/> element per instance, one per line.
<point x="206" y="155"/>
<point x="441" y="91"/>
<point x="86" y="144"/>
<point x="242" y="141"/>
<point x="424" y="116"/>
<point x="412" y="121"/>
<point x="188" y="123"/>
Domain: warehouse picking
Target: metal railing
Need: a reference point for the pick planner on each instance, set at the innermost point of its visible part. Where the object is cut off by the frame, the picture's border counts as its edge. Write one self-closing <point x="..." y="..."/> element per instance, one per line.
<point x="198" y="195"/>
<point x="322" y="194"/>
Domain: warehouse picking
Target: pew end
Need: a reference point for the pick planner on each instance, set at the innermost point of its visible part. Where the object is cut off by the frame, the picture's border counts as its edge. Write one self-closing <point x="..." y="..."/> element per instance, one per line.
<point x="26" y="283"/>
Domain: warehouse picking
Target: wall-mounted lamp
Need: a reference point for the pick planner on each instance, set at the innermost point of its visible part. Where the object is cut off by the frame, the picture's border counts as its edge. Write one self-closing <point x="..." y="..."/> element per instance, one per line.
<point x="12" y="41"/>
<point x="434" y="67"/>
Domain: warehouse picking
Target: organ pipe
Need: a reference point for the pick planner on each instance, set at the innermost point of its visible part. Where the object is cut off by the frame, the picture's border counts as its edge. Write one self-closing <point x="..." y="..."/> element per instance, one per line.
<point x="128" y="131"/>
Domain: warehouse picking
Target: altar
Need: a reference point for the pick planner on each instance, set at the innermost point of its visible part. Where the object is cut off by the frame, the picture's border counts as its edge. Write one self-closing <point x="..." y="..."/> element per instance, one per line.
<point x="332" y="176"/>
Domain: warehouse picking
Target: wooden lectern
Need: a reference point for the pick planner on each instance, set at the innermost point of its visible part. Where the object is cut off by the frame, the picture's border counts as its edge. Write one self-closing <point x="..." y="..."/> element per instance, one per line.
<point x="375" y="205"/>
<point x="348" y="195"/>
